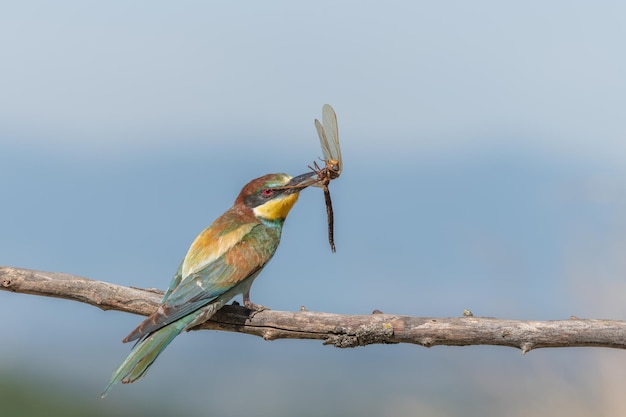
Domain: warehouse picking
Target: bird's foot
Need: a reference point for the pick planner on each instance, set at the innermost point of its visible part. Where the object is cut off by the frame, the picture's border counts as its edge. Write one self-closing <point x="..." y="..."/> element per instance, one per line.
<point x="256" y="308"/>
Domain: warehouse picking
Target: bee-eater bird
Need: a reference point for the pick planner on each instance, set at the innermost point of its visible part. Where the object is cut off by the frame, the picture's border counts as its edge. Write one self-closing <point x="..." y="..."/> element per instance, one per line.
<point x="221" y="263"/>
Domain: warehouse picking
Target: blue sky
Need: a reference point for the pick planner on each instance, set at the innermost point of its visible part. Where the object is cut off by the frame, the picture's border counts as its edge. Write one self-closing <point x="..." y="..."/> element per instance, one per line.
<point x="483" y="147"/>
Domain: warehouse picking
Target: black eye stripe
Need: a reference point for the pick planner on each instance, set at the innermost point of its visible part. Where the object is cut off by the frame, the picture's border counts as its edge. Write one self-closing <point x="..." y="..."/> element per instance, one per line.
<point x="263" y="196"/>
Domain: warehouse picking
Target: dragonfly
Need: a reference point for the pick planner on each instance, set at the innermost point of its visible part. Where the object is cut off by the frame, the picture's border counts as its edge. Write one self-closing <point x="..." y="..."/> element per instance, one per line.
<point x="328" y="132"/>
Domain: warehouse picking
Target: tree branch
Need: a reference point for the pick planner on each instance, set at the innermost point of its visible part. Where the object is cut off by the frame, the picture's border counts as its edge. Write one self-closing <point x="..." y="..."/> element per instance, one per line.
<point x="334" y="329"/>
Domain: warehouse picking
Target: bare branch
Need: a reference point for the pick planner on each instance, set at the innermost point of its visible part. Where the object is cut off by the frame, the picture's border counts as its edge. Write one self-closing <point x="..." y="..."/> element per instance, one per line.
<point x="334" y="329"/>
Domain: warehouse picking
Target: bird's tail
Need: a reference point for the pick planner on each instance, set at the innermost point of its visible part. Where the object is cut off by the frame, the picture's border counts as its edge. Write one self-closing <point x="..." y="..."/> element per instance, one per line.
<point x="145" y="352"/>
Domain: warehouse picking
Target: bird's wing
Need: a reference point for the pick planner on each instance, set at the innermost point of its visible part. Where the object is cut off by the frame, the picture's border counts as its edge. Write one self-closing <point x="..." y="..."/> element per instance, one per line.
<point x="174" y="283"/>
<point x="241" y="261"/>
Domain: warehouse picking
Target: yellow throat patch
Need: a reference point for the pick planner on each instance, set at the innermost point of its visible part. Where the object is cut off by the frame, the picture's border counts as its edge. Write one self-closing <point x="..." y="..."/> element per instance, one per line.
<point x="277" y="208"/>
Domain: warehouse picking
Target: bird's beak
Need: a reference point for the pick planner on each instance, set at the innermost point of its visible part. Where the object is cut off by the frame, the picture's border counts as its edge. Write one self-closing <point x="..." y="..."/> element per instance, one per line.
<point x="299" y="183"/>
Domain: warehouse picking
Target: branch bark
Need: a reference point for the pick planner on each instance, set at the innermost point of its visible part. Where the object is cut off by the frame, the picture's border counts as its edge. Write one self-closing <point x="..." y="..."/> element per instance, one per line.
<point x="334" y="329"/>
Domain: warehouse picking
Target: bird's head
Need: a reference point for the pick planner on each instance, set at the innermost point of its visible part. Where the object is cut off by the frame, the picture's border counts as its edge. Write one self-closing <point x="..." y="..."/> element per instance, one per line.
<point x="272" y="196"/>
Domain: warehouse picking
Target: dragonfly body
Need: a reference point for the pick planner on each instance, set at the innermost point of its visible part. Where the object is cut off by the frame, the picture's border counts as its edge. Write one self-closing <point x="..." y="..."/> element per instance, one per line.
<point x="328" y="133"/>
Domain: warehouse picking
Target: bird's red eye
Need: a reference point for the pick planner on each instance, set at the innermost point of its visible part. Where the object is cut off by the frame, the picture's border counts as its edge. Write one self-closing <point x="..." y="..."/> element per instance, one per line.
<point x="267" y="192"/>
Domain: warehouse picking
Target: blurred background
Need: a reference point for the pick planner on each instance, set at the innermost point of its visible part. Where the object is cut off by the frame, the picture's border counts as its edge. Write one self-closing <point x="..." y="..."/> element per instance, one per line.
<point x="483" y="148"/>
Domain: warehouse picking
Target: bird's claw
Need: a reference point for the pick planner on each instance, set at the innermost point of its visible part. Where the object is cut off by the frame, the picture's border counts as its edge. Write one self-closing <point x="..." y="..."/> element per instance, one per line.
<point x="255" y="308"/>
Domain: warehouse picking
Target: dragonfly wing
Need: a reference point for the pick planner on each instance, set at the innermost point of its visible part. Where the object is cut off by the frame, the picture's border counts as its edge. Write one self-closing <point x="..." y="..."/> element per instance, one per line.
<point x="323" y="140"/>
<point x="329" y="119"/>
